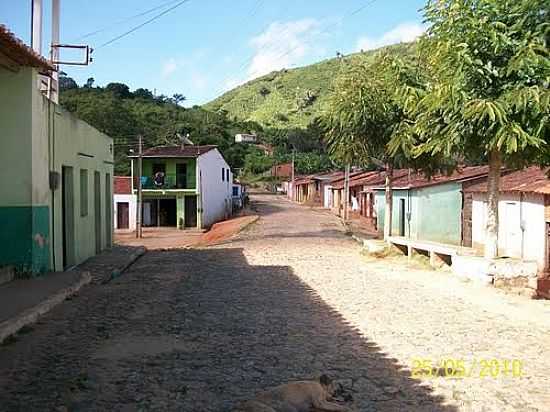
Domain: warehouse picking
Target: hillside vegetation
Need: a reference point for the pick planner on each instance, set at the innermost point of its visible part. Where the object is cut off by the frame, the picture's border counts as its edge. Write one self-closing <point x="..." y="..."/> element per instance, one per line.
<point x="289" y="99"/>
<point x="281" y="108"/>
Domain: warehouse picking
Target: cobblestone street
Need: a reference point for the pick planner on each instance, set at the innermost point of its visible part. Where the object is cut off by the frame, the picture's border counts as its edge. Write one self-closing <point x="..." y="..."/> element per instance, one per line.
<point x="290" y="298"/>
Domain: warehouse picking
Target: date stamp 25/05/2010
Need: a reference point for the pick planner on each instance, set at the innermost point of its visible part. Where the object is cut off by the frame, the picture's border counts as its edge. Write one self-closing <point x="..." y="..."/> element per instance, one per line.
<point x="461" y="368"/>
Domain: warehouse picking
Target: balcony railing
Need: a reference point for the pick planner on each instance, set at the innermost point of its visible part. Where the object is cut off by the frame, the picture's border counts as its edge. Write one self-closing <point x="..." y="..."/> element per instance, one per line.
<point x="167" y="182"/>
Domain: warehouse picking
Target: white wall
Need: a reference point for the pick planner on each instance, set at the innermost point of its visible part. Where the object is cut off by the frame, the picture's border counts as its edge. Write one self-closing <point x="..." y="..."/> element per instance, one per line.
<point x="132" y="206"/>
<point x="327" y="197"/>
<point x="215" y="193"/>
<point x="529" y="243"/>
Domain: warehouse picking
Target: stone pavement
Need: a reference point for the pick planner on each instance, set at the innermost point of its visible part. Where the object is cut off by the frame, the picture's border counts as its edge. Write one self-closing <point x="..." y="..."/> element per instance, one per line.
<point x="290" y="298"/>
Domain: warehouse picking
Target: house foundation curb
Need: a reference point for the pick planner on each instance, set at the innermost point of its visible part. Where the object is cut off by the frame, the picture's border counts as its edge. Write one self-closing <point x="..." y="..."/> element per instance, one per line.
<point x="31" y="315"/>
<point x="115" y="273"/>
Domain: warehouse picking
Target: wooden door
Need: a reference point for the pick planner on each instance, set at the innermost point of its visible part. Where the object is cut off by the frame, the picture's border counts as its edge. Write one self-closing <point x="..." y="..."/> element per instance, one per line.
<point x="123" y="215"/>
<point x="190" y="211"/>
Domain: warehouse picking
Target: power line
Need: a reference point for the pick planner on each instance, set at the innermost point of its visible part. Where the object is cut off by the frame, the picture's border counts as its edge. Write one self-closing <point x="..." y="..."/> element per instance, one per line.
<point x="143" y="24"/>
<point x="122" y="21"/>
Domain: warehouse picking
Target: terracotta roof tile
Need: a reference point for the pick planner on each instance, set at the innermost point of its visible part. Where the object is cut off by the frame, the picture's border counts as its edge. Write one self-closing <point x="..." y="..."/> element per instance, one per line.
<point x="532" y="179"/>
<point x="19" y="52"/>
<point x="177" y="151"/>
<point x="418" y="180"/>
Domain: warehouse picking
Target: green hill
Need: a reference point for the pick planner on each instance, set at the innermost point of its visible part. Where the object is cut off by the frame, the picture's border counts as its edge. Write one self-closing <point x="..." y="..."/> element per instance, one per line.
<point x="288" y="99"/>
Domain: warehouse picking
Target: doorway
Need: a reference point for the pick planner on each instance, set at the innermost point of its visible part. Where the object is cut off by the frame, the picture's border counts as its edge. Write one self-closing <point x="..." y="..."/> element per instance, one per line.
<point x="67" y="216"/>
<point x="123" y="215"/>
<point x="401" y="217"/>
<point x="97" y="211"/>
<point x="181" y="176"/>
<point x="190" y="211"/>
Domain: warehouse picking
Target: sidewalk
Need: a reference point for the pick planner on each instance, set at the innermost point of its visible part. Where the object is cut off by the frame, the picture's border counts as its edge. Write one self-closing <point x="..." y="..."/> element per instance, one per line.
<point x="22" y="302"/>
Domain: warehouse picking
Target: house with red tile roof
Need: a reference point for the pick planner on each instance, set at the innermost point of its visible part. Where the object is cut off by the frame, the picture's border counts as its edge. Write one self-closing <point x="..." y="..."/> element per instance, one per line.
<point x="524" y="215"/>
<point x="124" y="203"/>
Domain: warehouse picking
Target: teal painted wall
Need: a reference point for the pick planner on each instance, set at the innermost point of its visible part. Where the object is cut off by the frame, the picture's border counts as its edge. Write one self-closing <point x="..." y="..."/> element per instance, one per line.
<point x="435" y="213"/>
<point x="25" y="238"/>
<point x="440" y="211"/>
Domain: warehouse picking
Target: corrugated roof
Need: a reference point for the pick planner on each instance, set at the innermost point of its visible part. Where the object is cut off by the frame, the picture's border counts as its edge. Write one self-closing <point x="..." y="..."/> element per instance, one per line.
<point x="177" y="151"/>
<point x="418" y="180"/>
<point x="122" y="185"/>
<point x="530" y="180"/>
<point x="18" y="52"/>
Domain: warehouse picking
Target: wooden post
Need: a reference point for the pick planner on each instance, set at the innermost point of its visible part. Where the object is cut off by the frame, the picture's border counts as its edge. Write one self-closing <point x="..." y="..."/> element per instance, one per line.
<point x="139" y="199"/>
<point x="346" y="193"/>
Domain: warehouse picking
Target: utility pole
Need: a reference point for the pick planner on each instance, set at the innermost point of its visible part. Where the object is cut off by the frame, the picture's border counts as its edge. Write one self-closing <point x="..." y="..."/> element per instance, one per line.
<point x="346" y="192"/>
<point x="139" y="199"/>
<point x="292" y="178"/>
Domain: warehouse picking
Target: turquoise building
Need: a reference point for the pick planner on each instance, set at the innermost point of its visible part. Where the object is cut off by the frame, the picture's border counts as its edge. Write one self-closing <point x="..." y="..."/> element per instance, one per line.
<point x="433" y="209"/>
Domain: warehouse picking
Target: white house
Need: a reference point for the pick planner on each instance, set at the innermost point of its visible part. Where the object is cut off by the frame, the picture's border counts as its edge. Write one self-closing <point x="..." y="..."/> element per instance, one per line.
<point x="185" y="186"/>
<point x="524" y="216"/>
<point x="124" y="204"/>
<point x="245" y="138"/>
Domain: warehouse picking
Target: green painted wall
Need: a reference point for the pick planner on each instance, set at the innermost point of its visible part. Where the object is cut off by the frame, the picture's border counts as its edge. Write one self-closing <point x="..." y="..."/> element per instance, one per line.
<point x="171" y="168"/>
<point x="434" y="213"/>
<point x="38" y="137"/>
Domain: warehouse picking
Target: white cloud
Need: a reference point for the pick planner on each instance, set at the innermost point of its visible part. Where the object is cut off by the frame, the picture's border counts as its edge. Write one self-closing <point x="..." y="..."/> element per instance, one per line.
<point x="405" y="32"/>
<point x="169" y="67"/>
<point x="282" y="45"/>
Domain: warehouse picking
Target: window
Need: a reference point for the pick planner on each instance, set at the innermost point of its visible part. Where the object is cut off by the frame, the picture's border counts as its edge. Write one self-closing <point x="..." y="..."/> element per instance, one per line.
<point x="83" y="192"/>
<point x="223" y="174"/>
<point x="235" y="191"/>
<point x="227" y="175"/>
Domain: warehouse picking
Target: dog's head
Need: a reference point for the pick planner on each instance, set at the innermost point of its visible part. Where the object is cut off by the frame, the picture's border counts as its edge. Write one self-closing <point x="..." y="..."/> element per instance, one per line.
<point x="329" y="385"/>
<point x="334" y="390"/>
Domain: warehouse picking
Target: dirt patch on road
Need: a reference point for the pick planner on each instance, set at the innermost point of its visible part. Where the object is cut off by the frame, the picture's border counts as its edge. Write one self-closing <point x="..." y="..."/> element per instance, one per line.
<point x="172" y="238"/>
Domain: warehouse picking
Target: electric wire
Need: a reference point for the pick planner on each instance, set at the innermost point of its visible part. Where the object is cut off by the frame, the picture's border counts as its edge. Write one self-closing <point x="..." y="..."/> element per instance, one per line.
<point x="139" y="26"/>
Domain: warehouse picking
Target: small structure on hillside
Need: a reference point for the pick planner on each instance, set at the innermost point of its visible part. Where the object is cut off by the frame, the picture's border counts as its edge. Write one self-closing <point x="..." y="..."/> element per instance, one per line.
<point x="245" y="138"/>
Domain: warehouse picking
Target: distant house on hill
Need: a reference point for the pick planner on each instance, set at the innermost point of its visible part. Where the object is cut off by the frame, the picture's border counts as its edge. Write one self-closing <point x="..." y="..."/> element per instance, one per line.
<point x="184" y="186"/>
<point x="282" y="170"/>
<point x="245" y="138"/>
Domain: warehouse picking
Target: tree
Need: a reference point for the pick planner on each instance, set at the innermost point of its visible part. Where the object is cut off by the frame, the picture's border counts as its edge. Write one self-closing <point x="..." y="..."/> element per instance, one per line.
<point x="119" y="90"/>
<point x="142" y="93"/>
<point x="366" y="111"/>
<point x="66" y="82"/>
<point x="491" y="73"/>
<point x="178" y="98"/>
<point x="89" y="83"/>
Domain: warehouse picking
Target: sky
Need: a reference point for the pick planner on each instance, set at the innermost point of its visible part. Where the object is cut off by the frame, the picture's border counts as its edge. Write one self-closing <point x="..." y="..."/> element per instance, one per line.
<point x="203" y="48"/>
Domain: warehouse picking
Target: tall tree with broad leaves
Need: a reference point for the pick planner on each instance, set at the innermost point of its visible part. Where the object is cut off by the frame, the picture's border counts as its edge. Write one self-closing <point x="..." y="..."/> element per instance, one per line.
<point x="366" y="111"/>
<point x="489" y="94"/>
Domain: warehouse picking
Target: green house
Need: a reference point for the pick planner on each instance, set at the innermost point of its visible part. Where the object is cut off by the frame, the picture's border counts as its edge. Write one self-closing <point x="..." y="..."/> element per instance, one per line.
<point x="56" y="188"/>
<point x="431" y="209"/>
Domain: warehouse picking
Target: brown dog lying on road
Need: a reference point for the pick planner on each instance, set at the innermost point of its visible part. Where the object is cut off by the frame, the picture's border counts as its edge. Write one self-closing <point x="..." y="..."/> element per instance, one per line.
<point x="302" y="396"/>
